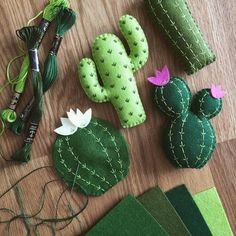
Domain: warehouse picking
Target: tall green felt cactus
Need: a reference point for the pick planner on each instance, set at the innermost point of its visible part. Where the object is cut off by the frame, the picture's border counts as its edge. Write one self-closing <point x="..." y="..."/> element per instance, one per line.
<point x="174" y="19"/>
<point x="189" y="138"/>
<point x="116" y="68"/>
<point x="93" y="159"/>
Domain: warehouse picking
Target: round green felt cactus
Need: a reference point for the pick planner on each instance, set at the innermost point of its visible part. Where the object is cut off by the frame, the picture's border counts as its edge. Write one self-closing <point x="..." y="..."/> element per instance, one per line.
<point x="93" y="159"/>
<point x="190" y="138"/>
<point x="116" y="68"/>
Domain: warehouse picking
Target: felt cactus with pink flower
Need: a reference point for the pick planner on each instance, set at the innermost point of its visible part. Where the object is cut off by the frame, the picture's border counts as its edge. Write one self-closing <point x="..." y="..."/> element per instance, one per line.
<point x="189" y="138"/>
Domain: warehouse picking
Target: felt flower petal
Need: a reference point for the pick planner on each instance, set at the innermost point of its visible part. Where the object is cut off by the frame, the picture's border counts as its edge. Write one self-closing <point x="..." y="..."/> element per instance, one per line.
<point x="162" y="77"/>
<point x="216" y="91"/>
<point x="65" y="130"/>
<point x="85" y="119"/>
<point x="72" y="117"/>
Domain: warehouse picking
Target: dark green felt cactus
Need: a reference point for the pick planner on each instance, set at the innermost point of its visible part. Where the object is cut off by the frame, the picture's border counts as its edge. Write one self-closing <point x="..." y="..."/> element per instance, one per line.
<point x="116" y="68"/>
<point x="189" y="138"/>
<point x="174" y="19"/>
<point x="93" y="159"/>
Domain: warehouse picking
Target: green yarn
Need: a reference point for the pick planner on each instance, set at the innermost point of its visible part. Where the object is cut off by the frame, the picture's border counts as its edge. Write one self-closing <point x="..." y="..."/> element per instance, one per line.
<point x="31" y="36"/>
<point x="174" y="19"/>
<point x="189" y="138"/>
<point x="96" y="155"/>
<point x="49" y="13"/>
<point x="53" y="7"/>
<point x="64" y="21"/>
<point x="116" y="69"/>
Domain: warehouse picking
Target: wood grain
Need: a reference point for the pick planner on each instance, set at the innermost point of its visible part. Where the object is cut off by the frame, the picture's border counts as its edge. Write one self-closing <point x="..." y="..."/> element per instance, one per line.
<point x="149" y="166"/>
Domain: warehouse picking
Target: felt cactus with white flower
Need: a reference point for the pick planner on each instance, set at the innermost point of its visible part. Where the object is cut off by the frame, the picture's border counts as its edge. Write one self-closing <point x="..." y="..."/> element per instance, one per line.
<point x="90" y="154"/>
<point x="189" y="138"/>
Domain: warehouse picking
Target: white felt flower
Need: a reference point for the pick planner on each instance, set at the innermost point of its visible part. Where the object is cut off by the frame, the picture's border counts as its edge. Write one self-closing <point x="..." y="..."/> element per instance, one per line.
<point x="74" y="121"/>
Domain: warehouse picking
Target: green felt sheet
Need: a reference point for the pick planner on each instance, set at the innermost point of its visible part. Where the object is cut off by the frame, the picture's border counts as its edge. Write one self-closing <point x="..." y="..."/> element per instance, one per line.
<point x="213" y="212"/>
<point x="187" y="209"/>
<point x="128" y="218"/>
<point x="161" y="209"/>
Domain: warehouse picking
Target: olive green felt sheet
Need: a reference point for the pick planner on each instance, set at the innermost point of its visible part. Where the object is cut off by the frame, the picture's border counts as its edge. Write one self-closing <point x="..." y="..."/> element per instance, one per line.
<point x="161" y="209"/>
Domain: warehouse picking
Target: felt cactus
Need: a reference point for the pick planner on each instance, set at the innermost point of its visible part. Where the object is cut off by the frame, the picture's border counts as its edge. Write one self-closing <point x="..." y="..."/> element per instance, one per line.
<point x="116" y="69"/>
<point x="91" y="159"/>
<point x="189" y="138"/>
<point x="174" y="19"/>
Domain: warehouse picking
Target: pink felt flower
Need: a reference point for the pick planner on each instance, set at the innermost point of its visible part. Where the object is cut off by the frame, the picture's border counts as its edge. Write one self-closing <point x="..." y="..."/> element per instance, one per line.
<point x="162" y="77"/>
<point x="216" y="91"/>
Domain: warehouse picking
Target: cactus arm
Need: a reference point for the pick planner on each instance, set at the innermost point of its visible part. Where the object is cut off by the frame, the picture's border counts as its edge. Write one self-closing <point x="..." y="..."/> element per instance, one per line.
<point x="204" y="105"/>
<point x="89" y="81"/>
<point x="136" y="39"/>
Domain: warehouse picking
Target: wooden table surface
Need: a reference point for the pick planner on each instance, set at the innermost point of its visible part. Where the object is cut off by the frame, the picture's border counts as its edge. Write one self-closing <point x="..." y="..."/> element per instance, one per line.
<point x="149" y="166"/>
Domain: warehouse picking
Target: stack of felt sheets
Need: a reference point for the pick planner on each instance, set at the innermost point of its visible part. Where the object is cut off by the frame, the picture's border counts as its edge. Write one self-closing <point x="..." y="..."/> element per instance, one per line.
<point x="174" y="213"/>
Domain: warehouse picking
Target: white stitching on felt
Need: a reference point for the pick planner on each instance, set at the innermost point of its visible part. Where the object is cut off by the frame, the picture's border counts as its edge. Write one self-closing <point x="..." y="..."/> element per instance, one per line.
<point x="113" y="171"/>
<point x="115" y="144"/>
<point x="203" y="145"/>
<point x="62" y="161"/>
<point x="167" y="32"/>
<point x="182" y="145"/>
<point x="172" y="147"/>
<point x="84" y="166"/>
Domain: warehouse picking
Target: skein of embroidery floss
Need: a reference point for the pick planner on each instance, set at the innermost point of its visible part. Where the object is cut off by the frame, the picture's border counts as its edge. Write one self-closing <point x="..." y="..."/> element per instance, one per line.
<point x="49" y="14"/>
<point x="64" y="21"/>
<point x="31" y="36"/>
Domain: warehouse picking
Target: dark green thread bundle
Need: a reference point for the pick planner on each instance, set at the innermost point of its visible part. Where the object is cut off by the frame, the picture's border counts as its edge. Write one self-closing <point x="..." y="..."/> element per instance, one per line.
<point x="64" y="21"/>
<point x="174" y="19"/>
<point x="31" y="36"/>
<point x="189" y="138"/>
<point x="49" y="13"/>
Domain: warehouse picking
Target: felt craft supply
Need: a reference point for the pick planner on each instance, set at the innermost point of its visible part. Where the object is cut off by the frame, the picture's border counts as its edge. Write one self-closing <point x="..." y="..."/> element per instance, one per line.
<point x="189" y="139"/>
<point x="116" y="69"/>
<point x="128" y="218"/>
<point x="158" y="205"/>
<point x="210" y="205"/>
<point x="31" y="36"/>
<point x="64" y="20"/>
<point x="187" y="209"/>
<point x="49" y="13"/>
<point x="92" y="156"/>
<point x="175" y="21"/>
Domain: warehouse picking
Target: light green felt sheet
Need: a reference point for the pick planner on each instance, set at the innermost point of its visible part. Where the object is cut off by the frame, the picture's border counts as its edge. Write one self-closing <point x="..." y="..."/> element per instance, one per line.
<point x="213" y="212"/>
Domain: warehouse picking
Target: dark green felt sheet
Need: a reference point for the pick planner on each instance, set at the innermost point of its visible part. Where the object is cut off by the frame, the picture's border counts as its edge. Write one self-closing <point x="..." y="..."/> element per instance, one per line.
<point x="187" y="209"/>
<point x="128" y="218"/>
<point x="156" y="202"/>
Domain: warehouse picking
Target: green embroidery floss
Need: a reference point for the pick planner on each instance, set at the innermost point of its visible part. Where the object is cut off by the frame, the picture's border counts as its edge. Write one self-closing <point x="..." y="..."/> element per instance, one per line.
<point x="32" y="36"/>
<point x="49" y="13"/>
<point x="64" y="21"/>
